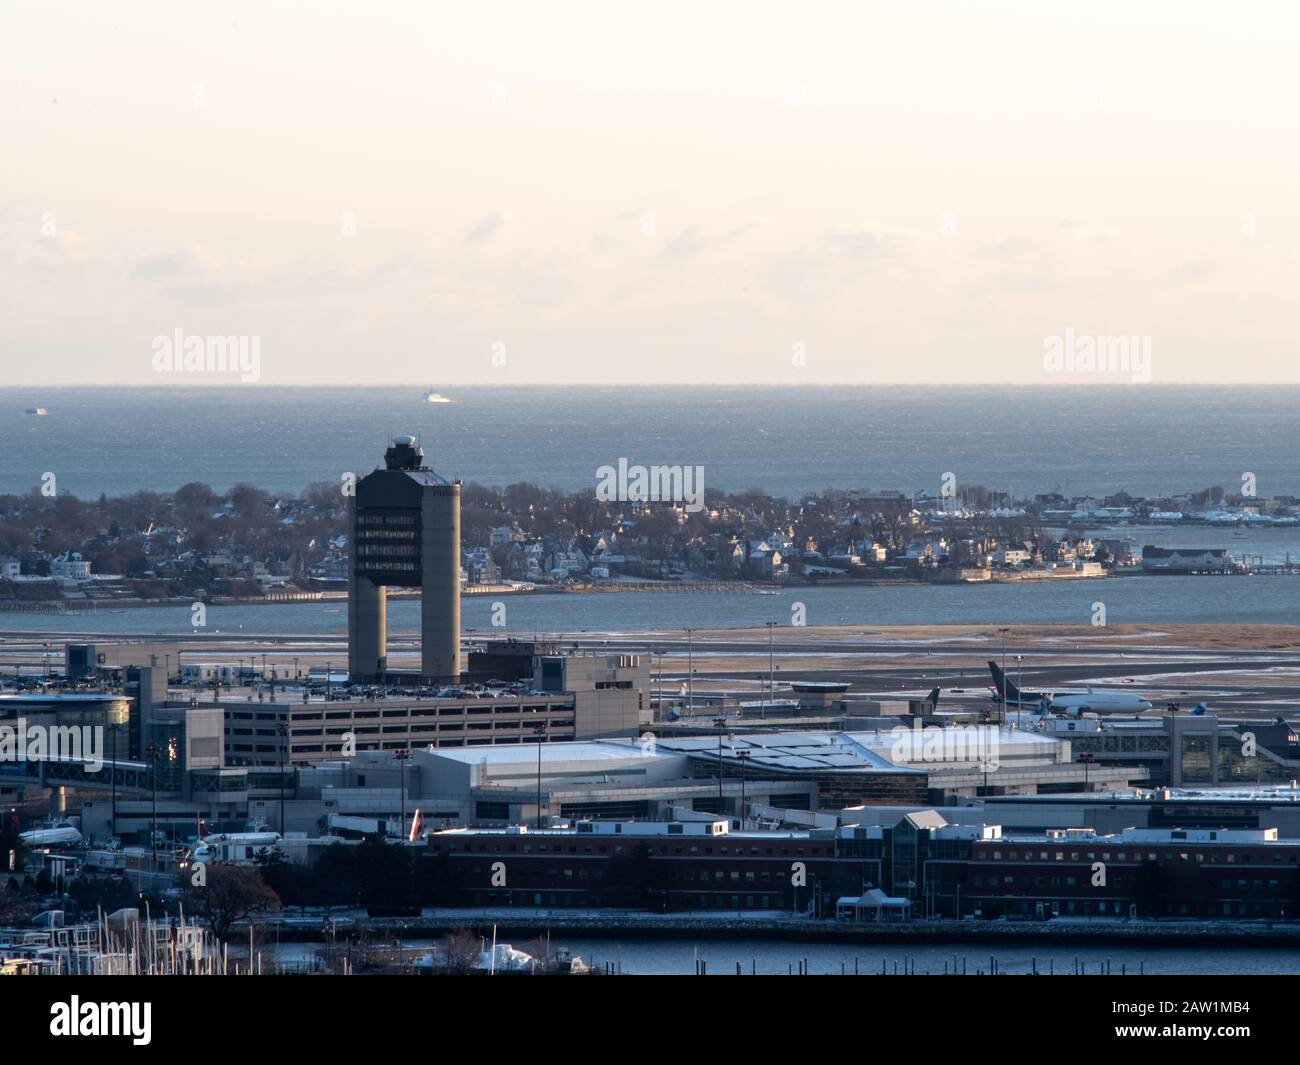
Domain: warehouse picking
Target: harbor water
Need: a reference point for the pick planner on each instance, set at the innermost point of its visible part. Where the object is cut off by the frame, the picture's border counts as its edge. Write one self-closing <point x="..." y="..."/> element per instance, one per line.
<point x="1129" y="601"/>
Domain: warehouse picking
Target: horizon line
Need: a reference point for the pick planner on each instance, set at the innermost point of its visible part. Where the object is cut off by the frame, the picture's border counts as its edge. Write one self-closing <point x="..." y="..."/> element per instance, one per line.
<point x="193" y="383"/>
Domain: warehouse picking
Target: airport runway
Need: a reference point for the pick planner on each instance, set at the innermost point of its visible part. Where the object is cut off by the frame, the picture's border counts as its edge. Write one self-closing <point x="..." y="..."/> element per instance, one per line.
<point x="1249" y="681"/>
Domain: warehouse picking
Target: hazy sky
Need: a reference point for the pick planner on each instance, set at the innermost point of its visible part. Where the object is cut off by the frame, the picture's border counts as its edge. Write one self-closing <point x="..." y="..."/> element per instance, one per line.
<point x="616" y="192"/>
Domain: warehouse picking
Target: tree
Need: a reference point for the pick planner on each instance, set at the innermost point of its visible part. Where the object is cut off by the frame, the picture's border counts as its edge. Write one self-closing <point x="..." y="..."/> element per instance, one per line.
<point x="460" y="950"/>
<point x="384" y="873"/>
<point x="248" y="500"/>
<point x="195" y="494"/>
<point x="106" y="893"/>
<point x="232" y="894"/>
<point x="12" y="848"/>
<point x="334" y="877"/>
<point x="290" y="882"/>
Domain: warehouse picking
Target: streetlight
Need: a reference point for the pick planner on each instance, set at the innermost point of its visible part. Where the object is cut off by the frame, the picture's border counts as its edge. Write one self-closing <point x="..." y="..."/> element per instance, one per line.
<point x="1086" y="758"/>
<point x="401" y="757"/>
<point x="660" y="687"/>
<point x="540" y="728"/>
<point x="690" y="672"/>
<point x="721" y="723"/>
<point x="283" y="729"/>
<point x="1020" y="682"/>
<point x="1004" y="632"/>
<point x="743" y="757"/>
<point x="771" y="686"/>
<point x="152" y="752"/>
<point x="112" y="776"/>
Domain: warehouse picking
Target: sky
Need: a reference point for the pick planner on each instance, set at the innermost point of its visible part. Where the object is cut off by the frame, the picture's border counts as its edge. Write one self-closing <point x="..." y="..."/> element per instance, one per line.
<point x="514" y="193"/>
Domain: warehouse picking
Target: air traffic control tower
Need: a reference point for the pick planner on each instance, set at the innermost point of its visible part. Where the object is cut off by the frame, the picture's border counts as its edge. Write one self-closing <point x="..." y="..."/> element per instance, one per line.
<point x="405" y="523"/>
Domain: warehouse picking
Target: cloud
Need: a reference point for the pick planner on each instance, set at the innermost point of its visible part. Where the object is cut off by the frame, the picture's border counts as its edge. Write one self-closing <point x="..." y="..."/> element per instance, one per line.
<point x="686" y="244"/>
<point x="484" y="228"/>
<point x="188" y="265"/>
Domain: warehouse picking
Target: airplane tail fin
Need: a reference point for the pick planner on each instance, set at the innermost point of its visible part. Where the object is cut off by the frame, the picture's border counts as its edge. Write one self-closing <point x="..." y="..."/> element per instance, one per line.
<point x="1002" y="684"/>
<point x="1198" y="709"/>
<point x="933" y="698"/>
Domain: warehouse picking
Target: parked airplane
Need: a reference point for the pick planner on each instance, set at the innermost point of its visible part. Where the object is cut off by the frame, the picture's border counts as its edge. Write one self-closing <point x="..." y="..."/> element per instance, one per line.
<point x="51" y="837"/>
<point x="1071" y="703"/>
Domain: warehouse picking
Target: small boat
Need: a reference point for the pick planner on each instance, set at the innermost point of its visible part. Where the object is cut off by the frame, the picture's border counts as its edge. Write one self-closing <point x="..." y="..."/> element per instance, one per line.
<point x="568" y="962"/>
<point x="37" y="410"/>
<point x="435" y="397"/>
<point x="503" y="958"/>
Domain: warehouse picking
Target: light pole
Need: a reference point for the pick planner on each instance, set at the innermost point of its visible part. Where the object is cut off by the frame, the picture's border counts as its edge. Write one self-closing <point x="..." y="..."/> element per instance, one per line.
<point x="1004" y="632"/>
<point x="152" y="752"/>
<point x="401" y="757"/>
<point x="112" y="776"/>
<point x="721" y="723"/>
<point x="659" y="691"/>
<point x="771" y="686"/>
<point x="690" y="672"/>
<point x="283" y="729"/>
<point x="540" y="728"/>
<point x="743" y="757"/>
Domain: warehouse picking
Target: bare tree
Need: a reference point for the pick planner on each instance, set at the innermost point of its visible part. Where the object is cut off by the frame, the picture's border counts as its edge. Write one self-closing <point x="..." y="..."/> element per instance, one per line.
<point x="232" y="894"/>
<point x="460" y="949"/>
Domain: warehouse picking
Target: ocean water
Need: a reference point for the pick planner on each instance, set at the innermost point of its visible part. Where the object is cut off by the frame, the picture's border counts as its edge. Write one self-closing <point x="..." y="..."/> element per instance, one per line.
<point x="1075" y="439"/>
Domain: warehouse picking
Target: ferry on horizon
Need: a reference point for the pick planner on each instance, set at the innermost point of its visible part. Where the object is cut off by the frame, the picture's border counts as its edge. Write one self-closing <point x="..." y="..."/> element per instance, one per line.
<point x="434" y="397"/>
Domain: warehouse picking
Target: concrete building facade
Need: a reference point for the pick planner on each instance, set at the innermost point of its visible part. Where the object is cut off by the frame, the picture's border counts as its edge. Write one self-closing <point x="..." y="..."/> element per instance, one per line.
<point x="405" y="523"/>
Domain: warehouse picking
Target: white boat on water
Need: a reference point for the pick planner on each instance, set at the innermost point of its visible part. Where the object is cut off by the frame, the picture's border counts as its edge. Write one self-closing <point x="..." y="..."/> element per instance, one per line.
<point x="37" y="410"/>
<point x="503" y="958"/>
<point x="435" y="397"/>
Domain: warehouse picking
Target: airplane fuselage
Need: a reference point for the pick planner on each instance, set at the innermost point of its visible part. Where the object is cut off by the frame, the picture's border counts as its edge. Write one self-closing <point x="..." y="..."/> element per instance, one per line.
<point x="1077" y="702"/>
<point x="1066" y="702"/>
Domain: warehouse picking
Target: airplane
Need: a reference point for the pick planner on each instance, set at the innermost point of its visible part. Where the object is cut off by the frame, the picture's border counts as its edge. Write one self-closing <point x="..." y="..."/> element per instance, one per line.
<point x="1070" y="703"/>
<point x="51" y="837"/>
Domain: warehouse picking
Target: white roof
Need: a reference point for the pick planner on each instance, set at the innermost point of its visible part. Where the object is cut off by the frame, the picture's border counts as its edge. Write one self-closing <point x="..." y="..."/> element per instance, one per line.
<point x="565" y="751"/>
